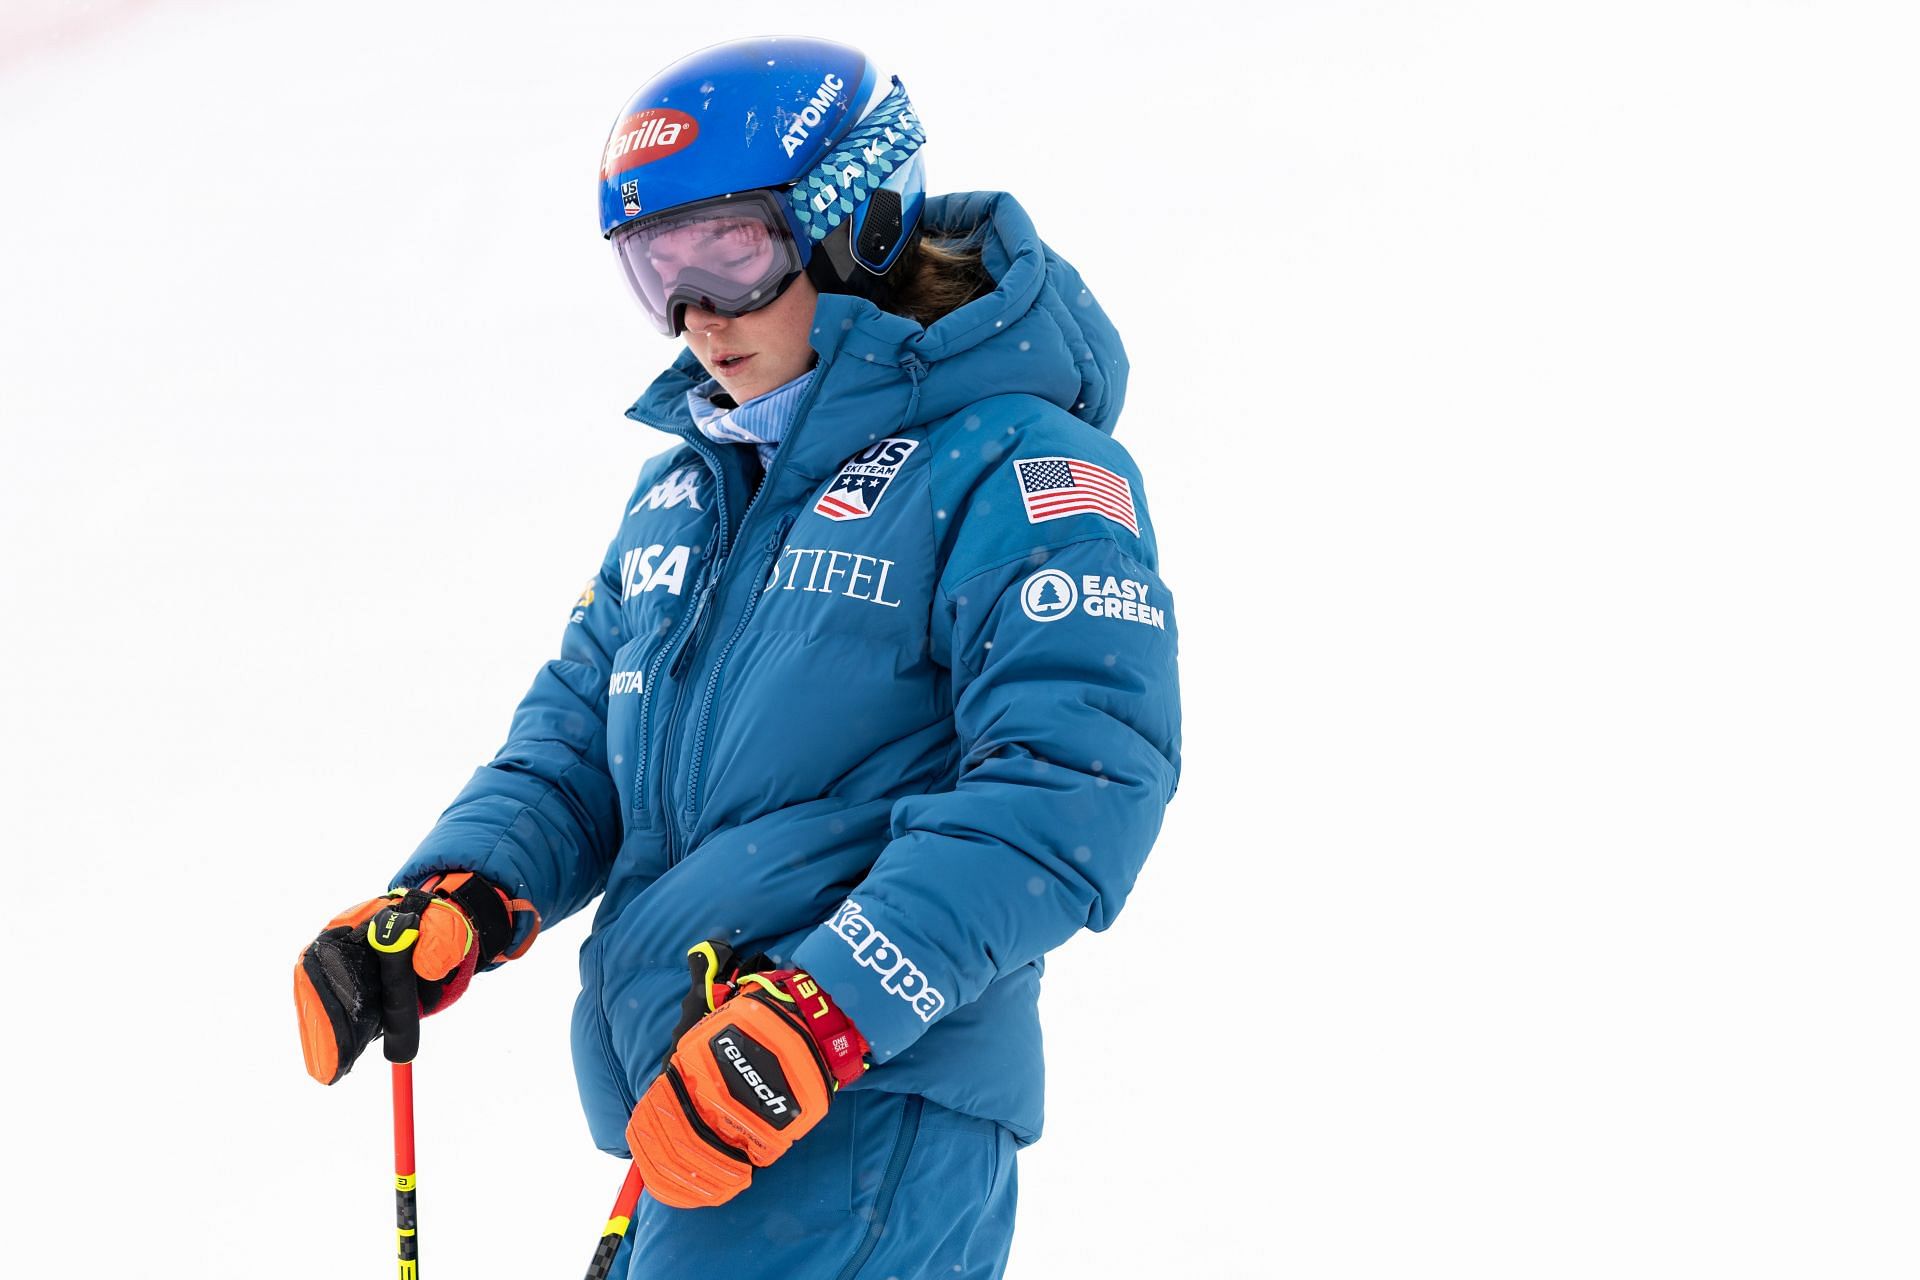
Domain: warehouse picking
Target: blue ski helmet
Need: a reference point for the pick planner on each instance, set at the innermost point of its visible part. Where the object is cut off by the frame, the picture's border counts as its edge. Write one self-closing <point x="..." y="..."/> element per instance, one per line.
<point x="742" y="165"/>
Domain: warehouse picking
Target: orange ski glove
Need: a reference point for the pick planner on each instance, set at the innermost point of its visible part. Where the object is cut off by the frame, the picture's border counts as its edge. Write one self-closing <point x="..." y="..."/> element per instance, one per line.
<point x="758" y="1056"/>
<point x="464" y="922"/>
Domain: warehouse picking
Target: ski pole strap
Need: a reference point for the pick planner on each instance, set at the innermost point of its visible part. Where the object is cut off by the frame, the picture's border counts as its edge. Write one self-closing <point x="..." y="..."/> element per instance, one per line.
<point x="392" y="933"/>
<point x="616" y="1228"/>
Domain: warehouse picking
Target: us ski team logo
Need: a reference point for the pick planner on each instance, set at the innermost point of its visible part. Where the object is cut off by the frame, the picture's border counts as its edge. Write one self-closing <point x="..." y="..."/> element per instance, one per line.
<point x="856" y="491"/>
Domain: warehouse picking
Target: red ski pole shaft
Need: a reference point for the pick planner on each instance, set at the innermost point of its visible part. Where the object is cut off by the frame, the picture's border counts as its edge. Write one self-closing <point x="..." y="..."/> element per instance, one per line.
<point x="404" y="1181"/>
<point x="393" y="933"/>
<point x="616" y="1228"/>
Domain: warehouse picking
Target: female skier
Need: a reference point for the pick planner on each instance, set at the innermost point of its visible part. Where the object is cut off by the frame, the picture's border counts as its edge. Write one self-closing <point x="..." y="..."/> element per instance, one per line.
<point x="875" y="684"/>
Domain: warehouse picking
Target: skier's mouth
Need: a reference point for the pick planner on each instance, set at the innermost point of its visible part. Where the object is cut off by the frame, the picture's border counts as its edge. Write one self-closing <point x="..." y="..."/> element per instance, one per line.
<point x="731" y="364"/>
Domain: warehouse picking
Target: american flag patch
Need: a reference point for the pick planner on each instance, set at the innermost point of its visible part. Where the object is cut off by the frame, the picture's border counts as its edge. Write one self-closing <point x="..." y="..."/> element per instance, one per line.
<point x="1056" y="487"/>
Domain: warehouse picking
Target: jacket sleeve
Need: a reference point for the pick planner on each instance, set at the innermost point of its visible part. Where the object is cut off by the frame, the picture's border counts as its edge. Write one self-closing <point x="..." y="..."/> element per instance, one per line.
<point x="1060" y="637"/>
<point x="542" y="819"/>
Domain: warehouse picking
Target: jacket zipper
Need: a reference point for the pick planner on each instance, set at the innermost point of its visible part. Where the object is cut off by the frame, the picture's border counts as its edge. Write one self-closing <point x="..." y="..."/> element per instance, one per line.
<point x="689" y="643"/>
<point x="717" y="555"/>
<point x="646" y="698"/>
<point x="713" y="680"/>
<point x="681" y="660"/>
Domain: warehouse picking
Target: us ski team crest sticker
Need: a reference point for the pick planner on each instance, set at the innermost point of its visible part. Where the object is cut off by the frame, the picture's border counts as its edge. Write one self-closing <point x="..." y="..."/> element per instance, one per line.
<point x="856" y="491"/>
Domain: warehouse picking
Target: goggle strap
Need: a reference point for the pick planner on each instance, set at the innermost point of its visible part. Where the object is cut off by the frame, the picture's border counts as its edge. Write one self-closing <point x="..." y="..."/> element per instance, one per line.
<point x="881" y="143"/>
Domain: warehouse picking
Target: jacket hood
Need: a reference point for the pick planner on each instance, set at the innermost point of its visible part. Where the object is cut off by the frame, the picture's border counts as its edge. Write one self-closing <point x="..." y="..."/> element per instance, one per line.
<point x="1039" y="332"/>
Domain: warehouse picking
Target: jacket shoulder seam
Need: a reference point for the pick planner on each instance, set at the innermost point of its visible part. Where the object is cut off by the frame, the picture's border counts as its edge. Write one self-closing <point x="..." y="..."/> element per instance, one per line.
<point x="1050" y="549"/>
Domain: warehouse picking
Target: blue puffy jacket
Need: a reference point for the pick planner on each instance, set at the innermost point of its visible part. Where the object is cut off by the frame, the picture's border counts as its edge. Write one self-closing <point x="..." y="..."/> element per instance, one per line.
<point x="901" y="711"/>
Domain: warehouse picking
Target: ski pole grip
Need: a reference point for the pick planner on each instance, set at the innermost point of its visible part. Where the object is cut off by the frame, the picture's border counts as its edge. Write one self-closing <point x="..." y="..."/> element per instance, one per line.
<point x="392" y="934"/>
<point x="708" y="964"/>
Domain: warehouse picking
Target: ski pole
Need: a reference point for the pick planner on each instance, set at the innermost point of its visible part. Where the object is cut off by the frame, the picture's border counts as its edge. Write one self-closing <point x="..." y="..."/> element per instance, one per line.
<point x="616" y="1227"/>
<point x="393" y="932"/>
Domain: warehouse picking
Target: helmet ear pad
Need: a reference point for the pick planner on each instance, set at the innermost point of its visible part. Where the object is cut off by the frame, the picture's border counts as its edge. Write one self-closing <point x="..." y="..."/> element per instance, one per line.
<point x="877" y="230"/>
<point x="870" y="254"/>
<point x="837" y="265"/>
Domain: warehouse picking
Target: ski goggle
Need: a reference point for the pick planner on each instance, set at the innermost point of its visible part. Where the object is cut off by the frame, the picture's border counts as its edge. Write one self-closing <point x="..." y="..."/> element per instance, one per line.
<point x="728" y="254"/>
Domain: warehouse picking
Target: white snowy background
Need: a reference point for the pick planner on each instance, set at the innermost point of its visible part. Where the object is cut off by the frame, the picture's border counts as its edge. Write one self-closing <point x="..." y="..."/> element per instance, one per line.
<point x="1526" y="393"/>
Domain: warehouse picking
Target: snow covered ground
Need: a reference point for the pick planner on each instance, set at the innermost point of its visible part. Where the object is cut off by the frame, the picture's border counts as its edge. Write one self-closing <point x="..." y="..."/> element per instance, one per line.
<point x="1526" y="395"/>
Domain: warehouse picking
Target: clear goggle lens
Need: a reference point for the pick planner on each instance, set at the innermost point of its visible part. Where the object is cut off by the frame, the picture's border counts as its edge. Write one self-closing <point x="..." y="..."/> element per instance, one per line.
<point x="729" y="255"/>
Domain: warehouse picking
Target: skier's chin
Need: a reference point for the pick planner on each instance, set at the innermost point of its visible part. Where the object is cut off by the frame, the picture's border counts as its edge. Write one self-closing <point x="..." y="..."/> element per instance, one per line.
<point x="743" y="382"/>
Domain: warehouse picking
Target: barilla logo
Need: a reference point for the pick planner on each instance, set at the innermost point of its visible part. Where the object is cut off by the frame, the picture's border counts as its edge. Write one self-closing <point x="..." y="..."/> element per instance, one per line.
<point x="646" y="136"/>
<point x="876" y="951"/>
<point x="813" y="113"/>
<point x="774" y="1103"/>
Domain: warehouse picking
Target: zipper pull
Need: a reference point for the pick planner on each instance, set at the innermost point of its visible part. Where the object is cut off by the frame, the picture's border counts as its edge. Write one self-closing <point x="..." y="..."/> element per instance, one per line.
<point x="774" y="544"/>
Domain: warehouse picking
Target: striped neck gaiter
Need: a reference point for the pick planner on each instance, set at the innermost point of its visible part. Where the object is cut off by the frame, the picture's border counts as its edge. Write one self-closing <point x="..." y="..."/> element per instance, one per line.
<point x="761" y="421"/>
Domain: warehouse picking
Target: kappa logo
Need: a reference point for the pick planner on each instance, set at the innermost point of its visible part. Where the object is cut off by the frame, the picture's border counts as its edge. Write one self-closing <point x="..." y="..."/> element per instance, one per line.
<point x="877" y="952"/>
<point x="856" y="491"/>
<point x="639" y="573"/>
<point x="680" y="486"/>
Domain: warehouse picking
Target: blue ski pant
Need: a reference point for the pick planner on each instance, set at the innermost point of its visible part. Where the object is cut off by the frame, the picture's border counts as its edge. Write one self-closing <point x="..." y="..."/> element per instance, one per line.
<point x="889" y="1187"/>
